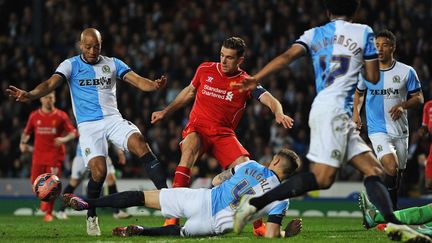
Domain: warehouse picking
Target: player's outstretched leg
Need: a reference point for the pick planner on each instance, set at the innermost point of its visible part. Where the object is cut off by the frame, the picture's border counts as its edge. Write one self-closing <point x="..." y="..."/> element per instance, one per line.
<point x="74" y="202"/>
<point x="130" y="230"/>
<point x="243" y="213"/>
<point x="405" y="234"/>
<point x="368" y="210"/>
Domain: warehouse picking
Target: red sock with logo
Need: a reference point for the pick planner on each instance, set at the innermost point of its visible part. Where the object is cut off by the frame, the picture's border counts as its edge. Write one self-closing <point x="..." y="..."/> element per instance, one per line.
<point x="181" y="177"/>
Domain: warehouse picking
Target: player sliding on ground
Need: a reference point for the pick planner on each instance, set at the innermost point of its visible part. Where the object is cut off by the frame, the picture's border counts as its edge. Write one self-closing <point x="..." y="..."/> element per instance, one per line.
<point x="208" y="211"/>
<point x="419" y="220"/>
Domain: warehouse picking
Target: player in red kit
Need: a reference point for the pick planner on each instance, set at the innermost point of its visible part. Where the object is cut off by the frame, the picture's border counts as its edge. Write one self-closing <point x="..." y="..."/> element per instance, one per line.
<point x="427" y="129"/>
<point x="51" y="128"/>
<point x="216" y="112"/>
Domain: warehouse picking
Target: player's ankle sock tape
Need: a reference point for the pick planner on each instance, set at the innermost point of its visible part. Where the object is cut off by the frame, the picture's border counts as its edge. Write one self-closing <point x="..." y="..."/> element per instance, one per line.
<point x="154" y="170"/>
<point x="119" y="200"/>
<point x="181" y="177"/>
<point x="379" y="197"/>
<point x="295" y="186"/>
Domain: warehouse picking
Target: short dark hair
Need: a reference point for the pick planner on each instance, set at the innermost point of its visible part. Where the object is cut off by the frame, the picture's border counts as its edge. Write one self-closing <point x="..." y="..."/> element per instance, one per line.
<point x="292" y="158"/>
<point x="387" y="34"/>
<point x="235" y="43"/>
<point x="342" y="7"/>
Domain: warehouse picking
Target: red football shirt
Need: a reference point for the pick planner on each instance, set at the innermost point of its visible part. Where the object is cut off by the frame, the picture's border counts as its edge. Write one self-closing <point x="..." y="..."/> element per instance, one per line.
<point x="427" y="115"/>
<point x="46" y="127"/>
<point x="216" y="104"/>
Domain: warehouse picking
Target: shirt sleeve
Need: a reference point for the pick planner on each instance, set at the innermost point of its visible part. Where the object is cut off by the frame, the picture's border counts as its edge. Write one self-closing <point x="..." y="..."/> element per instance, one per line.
<point x="280" y="208"/>
<point x="305" y="40"/>
<point x="369" y="51"/>
<point x="121" y="68"/>
<point x="425" y="120"/>
<point x="29" y="128"/>
<point x="68" y="126"/>
<point x="196" y="80"/>
<point x="361" y="85"/>
<point x="64" y="69"/>
<point x="413" y="83"/>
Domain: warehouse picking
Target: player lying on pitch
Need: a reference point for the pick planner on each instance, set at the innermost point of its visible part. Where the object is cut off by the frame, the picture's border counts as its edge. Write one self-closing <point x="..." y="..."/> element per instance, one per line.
<point x="418" y="222"/>
<point x="208" y="211"/>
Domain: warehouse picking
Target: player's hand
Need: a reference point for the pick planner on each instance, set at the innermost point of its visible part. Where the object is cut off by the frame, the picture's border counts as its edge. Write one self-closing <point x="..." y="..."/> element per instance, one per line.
<point x="357" y="120"/>
<point x="19" y="94"/>
<point x="161" y="82"/>
<point x="396" y="112"/>
<point x="59" y="141"/>
<point x="284" y="120"/>
<point x="121" y="157"/>
<point x="248" y="83"/>
<point x="24" y="147"/>
<point x="157" y="116"/>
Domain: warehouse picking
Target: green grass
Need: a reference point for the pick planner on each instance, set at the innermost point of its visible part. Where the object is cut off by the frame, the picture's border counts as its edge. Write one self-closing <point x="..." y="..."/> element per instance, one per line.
<point x="32" y="229"/>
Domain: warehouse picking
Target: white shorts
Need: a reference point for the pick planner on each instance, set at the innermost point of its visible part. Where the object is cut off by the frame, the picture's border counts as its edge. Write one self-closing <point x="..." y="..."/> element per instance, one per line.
<point x="79" y="170"/>
<point x="192" y="204"/>
<point x="334" y="138"/>
<point x="384" y="144"/>
<point x="94" y="136"/>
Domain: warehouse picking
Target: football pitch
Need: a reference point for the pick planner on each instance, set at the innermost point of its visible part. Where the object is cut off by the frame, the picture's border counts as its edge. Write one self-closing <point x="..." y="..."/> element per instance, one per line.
<point x="315" y="229"/>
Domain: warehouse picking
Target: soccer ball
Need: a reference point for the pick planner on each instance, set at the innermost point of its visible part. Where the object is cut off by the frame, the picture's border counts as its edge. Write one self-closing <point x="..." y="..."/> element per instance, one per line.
<point x="47" y="187"/>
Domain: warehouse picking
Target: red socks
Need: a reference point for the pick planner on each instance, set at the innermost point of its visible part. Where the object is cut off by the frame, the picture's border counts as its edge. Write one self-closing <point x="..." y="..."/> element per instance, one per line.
<point x="181" y="177"/>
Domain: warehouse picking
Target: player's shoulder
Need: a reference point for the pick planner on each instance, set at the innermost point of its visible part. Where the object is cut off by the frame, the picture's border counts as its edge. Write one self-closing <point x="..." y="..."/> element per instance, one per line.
<point x="61" y="113"/>
<point x="207" y="65"/>
<point x="249" y="164"/>
<point x="403" y="66"/>
<point x="34" y="113"/>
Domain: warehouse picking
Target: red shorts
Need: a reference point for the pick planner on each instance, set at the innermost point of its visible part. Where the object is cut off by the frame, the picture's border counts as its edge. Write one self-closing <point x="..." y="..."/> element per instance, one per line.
<point x="220" y="142"/>
<point x="428" y="168"/>
<point x="37" y="170"/>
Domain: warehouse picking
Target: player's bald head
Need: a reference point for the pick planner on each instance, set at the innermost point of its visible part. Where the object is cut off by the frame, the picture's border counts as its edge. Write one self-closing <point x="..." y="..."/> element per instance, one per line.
<point x="91" y="33"/>
<point x="90" y="45"/>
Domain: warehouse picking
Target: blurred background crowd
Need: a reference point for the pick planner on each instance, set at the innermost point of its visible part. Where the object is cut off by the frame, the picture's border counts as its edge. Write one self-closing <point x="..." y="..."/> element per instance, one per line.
<point x="172" y="38"/>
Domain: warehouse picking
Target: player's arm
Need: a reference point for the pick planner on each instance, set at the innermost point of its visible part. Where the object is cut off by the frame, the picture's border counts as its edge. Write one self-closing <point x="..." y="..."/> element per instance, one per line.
<point x="371" y="71"/>
<point x="294" y="52"/>
<point x="183" y="98"/>
<point x="223" y="176"/>
<point x="415" y="100"/>
<point x="424" y="129"/>
<point x="276" y="107"/>
<point x="68" y="137"/>
<point x="144" y="84"/>
<point x="120" y="155"/>
<point x="71" y="131"/>
<point x="41" y="90"/>
<point x="272" y="230"/>
<point x="24" y="146"/>
<point x="358" y="103"/>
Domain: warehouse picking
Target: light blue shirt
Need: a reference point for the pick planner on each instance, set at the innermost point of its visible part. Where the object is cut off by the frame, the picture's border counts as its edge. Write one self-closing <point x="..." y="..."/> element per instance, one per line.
<point x="93" y="86"/>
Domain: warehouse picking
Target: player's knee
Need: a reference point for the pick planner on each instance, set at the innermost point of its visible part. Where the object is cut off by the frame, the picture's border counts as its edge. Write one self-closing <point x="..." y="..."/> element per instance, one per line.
<point x="324" y="181"/>
<point x="137" y="145"/>
<point x="98" y="174"/>
<point x="375" y="171"/>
